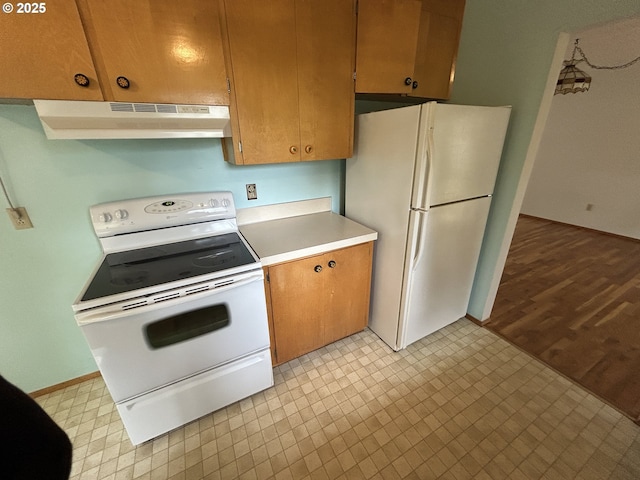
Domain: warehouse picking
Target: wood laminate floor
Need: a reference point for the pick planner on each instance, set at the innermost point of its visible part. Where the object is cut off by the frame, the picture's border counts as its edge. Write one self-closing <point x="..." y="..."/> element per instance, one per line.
<point x="571" y="297"/>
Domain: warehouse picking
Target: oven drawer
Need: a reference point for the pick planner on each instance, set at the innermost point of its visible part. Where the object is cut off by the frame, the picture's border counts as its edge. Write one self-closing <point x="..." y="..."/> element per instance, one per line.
<point x="155" y="413"/>
<point x="145" y="348"/>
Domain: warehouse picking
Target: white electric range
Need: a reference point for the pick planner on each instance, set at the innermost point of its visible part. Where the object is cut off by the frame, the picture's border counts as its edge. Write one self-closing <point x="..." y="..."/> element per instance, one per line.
<point x="175" y="312"/>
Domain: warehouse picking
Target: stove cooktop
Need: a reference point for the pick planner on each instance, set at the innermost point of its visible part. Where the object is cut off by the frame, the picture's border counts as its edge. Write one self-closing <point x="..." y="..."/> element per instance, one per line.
<point x="146" y="267"/>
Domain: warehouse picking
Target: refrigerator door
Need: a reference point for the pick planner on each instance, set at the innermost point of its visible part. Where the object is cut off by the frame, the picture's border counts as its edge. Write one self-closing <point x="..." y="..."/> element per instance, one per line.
<point x="378" y="194"/>
<point x="441" y="266"/>
<point x="464" y="146"/>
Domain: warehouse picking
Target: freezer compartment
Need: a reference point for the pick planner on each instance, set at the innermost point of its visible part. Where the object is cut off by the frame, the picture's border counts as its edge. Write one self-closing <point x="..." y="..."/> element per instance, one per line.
<point x="441" y="266"/>
<point x="464" y="146"/>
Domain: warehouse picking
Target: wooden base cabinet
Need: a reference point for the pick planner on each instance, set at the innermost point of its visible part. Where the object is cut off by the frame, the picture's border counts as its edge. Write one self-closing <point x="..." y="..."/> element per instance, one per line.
<point x="317" y="300"/>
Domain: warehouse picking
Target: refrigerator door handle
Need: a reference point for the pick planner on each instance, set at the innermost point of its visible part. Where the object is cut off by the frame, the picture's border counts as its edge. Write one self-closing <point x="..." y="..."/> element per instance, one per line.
<point x="425" y="180"/>
<point x="430" y="145"/>
<point x="418" y="237"/>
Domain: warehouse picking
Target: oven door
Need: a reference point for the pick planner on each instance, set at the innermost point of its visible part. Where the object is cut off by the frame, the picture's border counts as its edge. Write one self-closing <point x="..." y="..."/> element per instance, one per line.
<point x="142" y="349"/>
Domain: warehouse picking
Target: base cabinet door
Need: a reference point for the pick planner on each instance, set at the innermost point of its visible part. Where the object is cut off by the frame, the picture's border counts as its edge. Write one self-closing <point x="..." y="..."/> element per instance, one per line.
<point x="318" y="300"/>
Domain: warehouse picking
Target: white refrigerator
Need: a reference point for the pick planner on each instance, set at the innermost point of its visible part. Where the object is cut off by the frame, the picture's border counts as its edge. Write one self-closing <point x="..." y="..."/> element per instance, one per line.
<point x="423" y="176"/>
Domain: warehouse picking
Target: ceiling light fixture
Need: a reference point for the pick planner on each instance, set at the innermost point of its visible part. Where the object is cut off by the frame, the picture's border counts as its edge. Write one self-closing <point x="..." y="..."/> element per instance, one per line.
<point x="572" y="79"/>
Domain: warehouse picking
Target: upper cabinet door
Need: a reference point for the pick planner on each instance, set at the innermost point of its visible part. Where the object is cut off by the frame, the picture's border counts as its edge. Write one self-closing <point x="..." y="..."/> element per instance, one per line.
<point x="440" y="26"/>
<point x="291" y="66"/>
<point x="408" y="47"/>
<point x="44" y="53"/>
<point x="264" y="80"/>
<point x="158" y="51"/>
<point x="326" y="39"/>
<point x="386" y="45"/>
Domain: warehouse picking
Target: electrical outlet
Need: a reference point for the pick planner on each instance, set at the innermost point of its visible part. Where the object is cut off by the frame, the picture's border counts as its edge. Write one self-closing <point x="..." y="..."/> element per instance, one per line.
<point x="252" y="193"/>
<point x="20" y="218"/>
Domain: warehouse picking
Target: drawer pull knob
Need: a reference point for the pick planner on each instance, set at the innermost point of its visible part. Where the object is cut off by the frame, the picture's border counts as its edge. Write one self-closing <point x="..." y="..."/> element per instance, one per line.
<point x="408" y="81"/>
<point x="332" y="263"/>
<point x="293" y="149"/>
<point x="308" y="149"/>
<point x="318" y="268"/>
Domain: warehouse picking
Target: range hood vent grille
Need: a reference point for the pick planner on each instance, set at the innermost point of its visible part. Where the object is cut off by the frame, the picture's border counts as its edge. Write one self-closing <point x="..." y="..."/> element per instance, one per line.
<point x="121" y="107"/>
<point x="103" y="120"/>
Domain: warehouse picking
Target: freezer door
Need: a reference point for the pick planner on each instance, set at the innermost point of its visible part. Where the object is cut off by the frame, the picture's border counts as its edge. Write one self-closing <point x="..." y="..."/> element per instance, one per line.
<point x="464" y="146"/>
<point x="440" y="271"/>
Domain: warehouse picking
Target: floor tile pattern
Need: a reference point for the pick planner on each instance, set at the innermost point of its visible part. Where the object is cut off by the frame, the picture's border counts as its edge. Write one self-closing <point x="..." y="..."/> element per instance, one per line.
<point x="459" y="404"/>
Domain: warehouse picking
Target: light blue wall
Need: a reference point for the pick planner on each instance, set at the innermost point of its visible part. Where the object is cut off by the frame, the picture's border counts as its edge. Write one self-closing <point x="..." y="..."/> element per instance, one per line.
<point x="506" y="49"/>
<point x="43" y="269"/>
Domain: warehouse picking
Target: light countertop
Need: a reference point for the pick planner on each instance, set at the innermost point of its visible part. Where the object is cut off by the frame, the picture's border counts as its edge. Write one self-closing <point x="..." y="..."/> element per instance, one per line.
<point x="289" y="238"/>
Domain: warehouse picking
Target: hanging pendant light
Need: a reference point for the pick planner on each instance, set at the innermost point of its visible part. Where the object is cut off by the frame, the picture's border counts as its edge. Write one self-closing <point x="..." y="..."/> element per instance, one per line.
<point x="571" y="78"/>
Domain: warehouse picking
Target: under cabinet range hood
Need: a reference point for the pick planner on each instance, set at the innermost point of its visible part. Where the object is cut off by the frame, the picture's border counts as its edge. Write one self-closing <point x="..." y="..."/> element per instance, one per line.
<point x="64" y="119"/>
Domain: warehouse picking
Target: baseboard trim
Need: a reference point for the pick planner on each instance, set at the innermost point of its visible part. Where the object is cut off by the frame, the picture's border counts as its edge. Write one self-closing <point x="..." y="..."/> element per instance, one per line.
<point x="616" y="235"/>
<point x="480" y="323"/>
<point x="63" y="385"/>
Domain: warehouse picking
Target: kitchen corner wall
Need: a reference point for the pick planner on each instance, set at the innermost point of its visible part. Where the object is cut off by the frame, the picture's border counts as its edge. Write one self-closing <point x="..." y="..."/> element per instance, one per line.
<point x="43" y="269"/>
<point x="506" y="51"/>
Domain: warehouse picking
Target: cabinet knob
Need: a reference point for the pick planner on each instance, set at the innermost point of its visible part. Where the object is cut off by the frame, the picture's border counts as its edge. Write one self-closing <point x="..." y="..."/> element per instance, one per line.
<point x="81" y="79"/>
<point x="407" y="81"/>
<point x="293" y="149"/>
<point x="123" y="82"/>
<point x="414" y="85"/>
<point x="308" y="149"/>
<point x="317" y="268"/>
<point x="332" y="263"/>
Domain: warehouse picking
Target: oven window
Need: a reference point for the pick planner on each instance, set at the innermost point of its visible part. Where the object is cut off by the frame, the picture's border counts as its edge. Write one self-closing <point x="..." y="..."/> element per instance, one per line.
<point x="185" y="326"/>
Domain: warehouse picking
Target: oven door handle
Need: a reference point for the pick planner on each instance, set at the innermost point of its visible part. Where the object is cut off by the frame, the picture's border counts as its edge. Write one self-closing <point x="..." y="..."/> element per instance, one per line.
<point x="155" y="302"/>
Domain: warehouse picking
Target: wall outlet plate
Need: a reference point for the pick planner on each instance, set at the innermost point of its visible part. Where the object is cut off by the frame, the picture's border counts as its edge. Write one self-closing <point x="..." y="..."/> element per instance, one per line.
<point x="252" y="192"/>
<point x="20" y="218"/>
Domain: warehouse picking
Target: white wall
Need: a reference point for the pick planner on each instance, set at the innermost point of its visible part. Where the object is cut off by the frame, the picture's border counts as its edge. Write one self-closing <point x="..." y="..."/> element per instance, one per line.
<point x="590" y="149"/>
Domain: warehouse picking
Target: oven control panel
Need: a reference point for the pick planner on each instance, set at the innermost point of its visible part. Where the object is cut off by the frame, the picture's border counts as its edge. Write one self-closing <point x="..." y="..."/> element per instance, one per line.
<point x="151" y="213"/>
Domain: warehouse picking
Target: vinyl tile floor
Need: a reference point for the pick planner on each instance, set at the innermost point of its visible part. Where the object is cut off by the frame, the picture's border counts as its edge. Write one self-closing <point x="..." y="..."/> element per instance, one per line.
<point x="459" y="404"/>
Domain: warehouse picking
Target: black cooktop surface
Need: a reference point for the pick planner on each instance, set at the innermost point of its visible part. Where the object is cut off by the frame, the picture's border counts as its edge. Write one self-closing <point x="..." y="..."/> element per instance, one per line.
<point x="145" y="267"/>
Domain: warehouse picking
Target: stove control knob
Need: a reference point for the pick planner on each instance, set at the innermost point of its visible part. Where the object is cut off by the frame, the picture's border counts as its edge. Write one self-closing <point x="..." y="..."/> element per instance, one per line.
<point x="121" y="214"/>
<point x="214" y="203"/>
<point x="105" y="217"/>
<point x="226" y="202"/>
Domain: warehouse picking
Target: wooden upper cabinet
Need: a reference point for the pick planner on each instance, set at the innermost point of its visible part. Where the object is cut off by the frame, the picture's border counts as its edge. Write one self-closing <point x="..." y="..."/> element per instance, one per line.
<point x="42" y="52"/>
<point x="157" y="51"/>
<point x="440" y="26"/>
<point x="290" y="65"/>
<point x="326" y="36"/>
<point x="387" y="44"/>
<point x="412" y="42"/>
